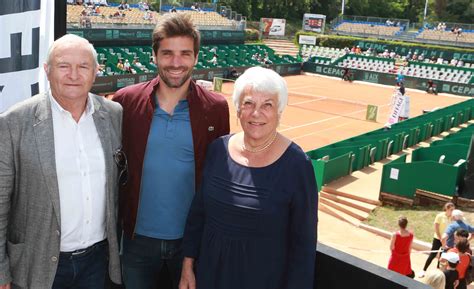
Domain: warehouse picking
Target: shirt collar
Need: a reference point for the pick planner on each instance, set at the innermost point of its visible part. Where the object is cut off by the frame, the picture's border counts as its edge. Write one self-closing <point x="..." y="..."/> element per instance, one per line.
<point x="87" y="112"/>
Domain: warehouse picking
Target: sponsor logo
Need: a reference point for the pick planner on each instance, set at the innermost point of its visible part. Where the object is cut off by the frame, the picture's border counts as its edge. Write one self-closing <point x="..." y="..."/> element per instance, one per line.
<point x="371" y="77"/>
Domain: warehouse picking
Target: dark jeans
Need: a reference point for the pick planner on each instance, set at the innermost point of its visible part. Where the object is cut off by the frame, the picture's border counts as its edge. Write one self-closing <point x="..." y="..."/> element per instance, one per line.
<point x="85" y="270"/>
<point x="434" y="247"/>
<point x="144" y="257"/>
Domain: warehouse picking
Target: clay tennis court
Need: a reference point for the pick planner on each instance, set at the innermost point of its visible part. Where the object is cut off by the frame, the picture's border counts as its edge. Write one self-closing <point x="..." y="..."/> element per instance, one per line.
<point x="323" y="110"/>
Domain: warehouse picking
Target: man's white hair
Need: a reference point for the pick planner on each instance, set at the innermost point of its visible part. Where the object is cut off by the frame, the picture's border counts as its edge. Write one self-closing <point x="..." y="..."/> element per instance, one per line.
<point x="71" y="38"/>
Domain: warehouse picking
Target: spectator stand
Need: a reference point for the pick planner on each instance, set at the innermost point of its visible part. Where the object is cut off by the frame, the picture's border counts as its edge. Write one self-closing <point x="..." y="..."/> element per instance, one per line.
<point x="367" y="26"/>
<point x="441" y="32"/>
<point x="136" y="16"/>
<point x="451" y="75"/>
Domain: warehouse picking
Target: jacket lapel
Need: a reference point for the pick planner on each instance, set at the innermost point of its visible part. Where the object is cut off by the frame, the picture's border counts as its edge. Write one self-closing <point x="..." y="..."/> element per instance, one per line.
<point x="102" y="123"/>
<point x="44" y="134"/>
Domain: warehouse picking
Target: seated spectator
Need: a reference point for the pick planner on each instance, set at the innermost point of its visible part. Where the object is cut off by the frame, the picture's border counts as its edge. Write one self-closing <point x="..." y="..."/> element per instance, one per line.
<point x="460" y="63"/>
<point x="440" y="60"/>
<point x="173" y="9"/>
<point x="454" y="62"/>
<point x="266" y="59"/>
<point x="127" y="67"/>
<point x="120" y="65"/>
<point x="415" y="56"/>
<point x="139" y="65"/>
<point x="84" y="19"/>
<point x="152" y="62"/>
<point x="124" y="5"/>
<point x="213" y="61"/>
<point x="392" y="54"/>
<point x="388" y="22"/>
<point x="148" y="15"/>
<point x="100" y="70"/>
<point x="143" y="6"/>
<point x="386" y="54"/>
<point x="358" y="50"/>
<point x="421" y="57"/>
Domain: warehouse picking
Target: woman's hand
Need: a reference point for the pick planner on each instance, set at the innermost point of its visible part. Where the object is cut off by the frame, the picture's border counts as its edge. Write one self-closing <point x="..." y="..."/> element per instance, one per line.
<point x="188" y="279"/>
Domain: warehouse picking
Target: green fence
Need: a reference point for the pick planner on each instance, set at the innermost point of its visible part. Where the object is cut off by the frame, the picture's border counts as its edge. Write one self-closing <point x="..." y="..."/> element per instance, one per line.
<point x="389" y="79"/>
<point x="428" y="53"/>
<point x="426" y="172"/>
<point x="113" y="83"/>
<point x="143" y="36"/>
<point x="341" y="158"/>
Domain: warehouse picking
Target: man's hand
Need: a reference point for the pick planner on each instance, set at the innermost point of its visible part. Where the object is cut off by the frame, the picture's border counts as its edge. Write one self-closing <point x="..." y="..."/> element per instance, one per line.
<point x="6" y="286"/>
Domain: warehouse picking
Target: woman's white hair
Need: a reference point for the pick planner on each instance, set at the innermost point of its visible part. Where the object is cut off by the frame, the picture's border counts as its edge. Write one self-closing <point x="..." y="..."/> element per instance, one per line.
<point x="263" y="80"/>
<point x="71" y="38"/>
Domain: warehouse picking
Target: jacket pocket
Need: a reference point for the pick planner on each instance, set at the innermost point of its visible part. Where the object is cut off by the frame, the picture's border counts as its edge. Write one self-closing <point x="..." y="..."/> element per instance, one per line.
<point x="16" y="254"/>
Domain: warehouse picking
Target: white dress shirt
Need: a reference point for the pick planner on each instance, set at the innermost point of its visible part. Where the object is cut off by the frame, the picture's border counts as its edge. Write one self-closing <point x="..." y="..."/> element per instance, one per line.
<point x="80" y="167"/>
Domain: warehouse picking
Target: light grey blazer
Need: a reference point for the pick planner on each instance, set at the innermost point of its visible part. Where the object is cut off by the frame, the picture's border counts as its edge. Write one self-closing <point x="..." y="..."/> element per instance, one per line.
<point x="30" y="221"/>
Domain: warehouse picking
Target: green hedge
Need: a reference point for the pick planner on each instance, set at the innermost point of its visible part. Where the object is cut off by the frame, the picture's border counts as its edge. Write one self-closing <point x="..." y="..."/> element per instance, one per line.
<point x="339" y="41"/>
<point x="252" y="34"/>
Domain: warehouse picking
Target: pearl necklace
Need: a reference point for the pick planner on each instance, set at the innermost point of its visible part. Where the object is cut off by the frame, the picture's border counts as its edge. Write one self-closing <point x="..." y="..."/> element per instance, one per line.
<point x="267" y="144"/>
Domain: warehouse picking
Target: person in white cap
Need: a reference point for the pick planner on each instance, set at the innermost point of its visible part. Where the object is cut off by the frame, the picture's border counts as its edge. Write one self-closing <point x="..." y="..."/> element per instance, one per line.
<point x="450" y="261"/>
<point x="458" y="223"/>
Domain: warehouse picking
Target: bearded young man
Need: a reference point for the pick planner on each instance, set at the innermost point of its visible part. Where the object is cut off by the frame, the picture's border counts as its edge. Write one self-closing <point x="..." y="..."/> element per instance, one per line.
<point x="168" y="123"/>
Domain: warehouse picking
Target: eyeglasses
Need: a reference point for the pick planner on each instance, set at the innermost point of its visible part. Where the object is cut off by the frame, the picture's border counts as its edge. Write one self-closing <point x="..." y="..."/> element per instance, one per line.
<point x="121" y="161"/>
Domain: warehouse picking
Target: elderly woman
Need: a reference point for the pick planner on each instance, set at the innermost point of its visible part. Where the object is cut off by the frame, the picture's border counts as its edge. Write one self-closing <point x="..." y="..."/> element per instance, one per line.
<point x="252" y="224"/>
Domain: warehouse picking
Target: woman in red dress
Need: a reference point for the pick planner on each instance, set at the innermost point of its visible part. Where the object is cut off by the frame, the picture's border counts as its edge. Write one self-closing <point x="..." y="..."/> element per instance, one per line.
<point x="400" y="246"/>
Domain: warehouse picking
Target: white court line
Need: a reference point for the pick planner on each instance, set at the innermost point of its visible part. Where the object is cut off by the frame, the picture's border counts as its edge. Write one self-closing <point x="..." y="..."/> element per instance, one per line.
<point x="305" y="94"/>
<point x="307" y="101"/>
<point x="327" y="119"/>
<point x="384" y="85"/>
<point x="321" y="130"/>
<point x="306" y="86"/>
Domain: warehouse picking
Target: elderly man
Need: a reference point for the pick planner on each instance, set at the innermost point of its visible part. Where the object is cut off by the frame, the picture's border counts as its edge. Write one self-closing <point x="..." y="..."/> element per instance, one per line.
<point x="458" y="223"/>
<point x="59" y="164"/>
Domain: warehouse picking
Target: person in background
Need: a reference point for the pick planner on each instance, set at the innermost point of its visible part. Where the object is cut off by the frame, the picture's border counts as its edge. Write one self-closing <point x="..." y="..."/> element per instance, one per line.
<point x="400" y="246"/>
<point x="120" y="65"/>
<point x="431" y="87"/>
<point x="440" y="223"/>
<point x="168" y="123"/>
<point x="461" y="248"/>
<point x="458" y="223"/>
<point x="435" y="278"/>
<point x="448" y="263"/>
<point x="253" y="223"/>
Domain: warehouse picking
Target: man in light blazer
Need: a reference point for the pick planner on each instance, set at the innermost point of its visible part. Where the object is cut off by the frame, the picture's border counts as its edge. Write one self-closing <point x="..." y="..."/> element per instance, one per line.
<point x="60" y="162"/>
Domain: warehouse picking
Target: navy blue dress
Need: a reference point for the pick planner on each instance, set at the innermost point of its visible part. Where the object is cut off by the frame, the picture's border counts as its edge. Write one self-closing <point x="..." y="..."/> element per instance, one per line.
<point x="253" y="228"/>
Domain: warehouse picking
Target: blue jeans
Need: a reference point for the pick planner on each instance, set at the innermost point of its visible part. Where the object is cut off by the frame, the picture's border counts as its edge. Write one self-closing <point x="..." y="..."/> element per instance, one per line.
<point x="85" y="270"/>
<point x="143" y="258"/>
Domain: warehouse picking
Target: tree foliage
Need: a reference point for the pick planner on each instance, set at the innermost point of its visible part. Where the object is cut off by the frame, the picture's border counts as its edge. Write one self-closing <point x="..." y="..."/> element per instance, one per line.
<point x="438" y="10"/>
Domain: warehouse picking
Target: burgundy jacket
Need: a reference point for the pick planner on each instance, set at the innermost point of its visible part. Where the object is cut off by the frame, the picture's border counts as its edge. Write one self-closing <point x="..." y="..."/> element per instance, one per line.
<point x="209" y="115"/>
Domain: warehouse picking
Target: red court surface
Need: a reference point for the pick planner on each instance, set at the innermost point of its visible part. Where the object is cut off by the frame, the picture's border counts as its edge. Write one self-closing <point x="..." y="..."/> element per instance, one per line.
<point x="323" y="110"/>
